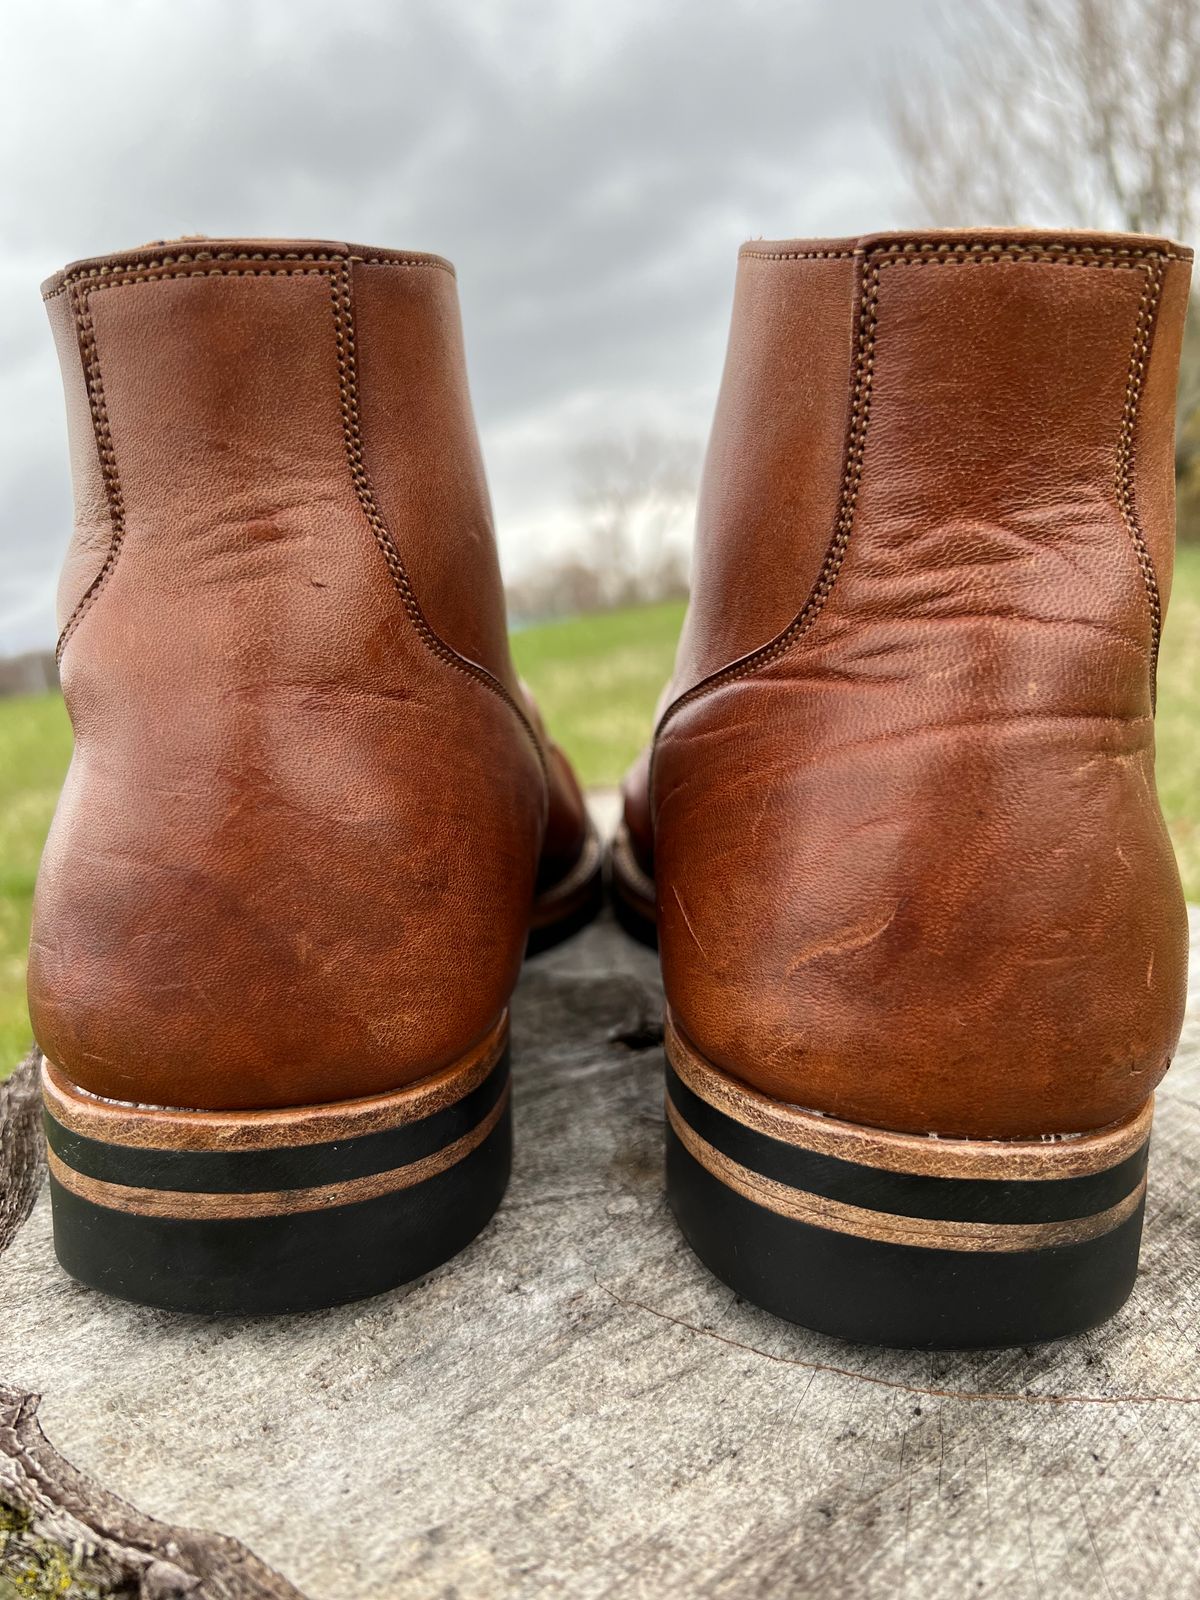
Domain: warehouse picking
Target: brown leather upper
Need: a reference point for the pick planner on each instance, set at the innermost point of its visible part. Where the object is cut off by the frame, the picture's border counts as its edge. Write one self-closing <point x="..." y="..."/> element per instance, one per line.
<point x="911" y="867"/>
<point x="295" y="855"/>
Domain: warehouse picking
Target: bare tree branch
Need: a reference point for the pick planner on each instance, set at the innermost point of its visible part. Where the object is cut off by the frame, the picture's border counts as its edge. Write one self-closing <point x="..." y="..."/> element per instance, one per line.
<point x="1079" y="112"/>
<point x="1076" y="113"/>
<point x="635" y="494"/>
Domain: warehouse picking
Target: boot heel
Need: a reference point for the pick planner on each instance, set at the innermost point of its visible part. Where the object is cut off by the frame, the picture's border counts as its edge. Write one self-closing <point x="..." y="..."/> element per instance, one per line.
<point x="271" y="1211"/>
<point x="900" y="1239"/>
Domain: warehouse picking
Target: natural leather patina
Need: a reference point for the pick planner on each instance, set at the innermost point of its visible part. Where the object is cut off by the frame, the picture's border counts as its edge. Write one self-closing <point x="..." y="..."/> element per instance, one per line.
<point x="296" y="855"/>
<point x="910" y="865"/>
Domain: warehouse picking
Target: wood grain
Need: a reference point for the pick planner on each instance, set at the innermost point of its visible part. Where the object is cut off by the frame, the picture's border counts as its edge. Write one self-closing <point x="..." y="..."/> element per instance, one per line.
<point x="61" y="1533"/>
<point x="22" y="1150"/>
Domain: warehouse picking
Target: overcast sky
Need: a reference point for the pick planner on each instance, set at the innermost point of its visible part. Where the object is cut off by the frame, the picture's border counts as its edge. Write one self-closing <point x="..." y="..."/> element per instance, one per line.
<point x="590" y="167"/>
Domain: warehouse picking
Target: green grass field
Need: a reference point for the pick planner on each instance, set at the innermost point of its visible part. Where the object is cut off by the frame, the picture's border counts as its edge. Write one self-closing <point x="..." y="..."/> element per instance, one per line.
<point x="35" y="746"/>
<point x="1178" y="724"/>
<point x="597" y="679"/>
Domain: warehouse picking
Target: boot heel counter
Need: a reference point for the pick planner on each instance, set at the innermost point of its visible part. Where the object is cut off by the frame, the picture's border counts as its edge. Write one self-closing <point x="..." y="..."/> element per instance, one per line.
<point x="913" y="866"/>
<point x="206" y="938"/>
<point x="293" y="800"/>
<point x="1004" y="957"/>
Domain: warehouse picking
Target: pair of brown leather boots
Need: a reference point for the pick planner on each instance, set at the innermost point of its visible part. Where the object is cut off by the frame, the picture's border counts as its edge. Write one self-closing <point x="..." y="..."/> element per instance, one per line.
<point x="922" y="934"/>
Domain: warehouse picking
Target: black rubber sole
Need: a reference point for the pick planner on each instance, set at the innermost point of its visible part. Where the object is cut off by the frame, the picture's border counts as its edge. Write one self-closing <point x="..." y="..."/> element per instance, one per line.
<point x="875" y="1293"/>
<point x="631" y="892"/>
<point x="566" y="927"/>
<point x="916" y="1259"/>
<point x="281" y="1227"/>
<point x="567" y="907"/>
<point x="635" y="923"/>
<point x="299" y="1262"/>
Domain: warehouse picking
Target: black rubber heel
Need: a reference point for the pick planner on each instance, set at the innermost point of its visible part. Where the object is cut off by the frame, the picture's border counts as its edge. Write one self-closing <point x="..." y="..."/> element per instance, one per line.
<point x="895" y="1239"/>
<point x="267" y="1212"/>
<point x="632" y="891"/>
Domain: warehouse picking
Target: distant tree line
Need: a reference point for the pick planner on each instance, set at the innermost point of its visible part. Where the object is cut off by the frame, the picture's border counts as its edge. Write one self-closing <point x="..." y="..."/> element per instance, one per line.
<point x="31" y="673"/>
<point x="1071" y="113"/>
<point x="634" y="498"/>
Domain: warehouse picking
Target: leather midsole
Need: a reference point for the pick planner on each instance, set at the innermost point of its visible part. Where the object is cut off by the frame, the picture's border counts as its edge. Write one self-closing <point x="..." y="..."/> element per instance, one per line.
<point x="117" y="1122"/>
<point x="193" y="1170"/>
<point x="1055" y="1156"/>
<point x="634" y="884"/>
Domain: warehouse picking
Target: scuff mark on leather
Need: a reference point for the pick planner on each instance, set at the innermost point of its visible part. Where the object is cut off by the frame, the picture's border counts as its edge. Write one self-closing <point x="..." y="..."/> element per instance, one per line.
<point x="683" y="910"/>
<point x="846" y="943"/>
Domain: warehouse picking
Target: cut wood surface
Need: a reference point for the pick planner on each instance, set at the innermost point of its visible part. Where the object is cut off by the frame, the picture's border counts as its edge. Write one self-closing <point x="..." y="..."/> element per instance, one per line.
<point x="574" y="1406"/>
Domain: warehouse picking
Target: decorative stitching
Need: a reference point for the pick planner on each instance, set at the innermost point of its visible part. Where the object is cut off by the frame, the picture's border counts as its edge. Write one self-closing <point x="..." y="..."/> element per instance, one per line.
<point x="113" y="269"/>
<point x="918" y="252"/>
<point x="860" y="412"/>
<point x="337" y="270"/>
<point x="1139" y="356"/>
<point x="343" y="314"/>
<point x="932" y="253"/>
<point x="1129" y="261"/>
<point x="108" y="464"/>
<point x="797" y="255"/>
<point x="381" y="261"/>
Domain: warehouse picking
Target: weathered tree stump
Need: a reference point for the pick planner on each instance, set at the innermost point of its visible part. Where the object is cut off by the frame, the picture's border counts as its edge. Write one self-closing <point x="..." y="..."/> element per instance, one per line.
<point x="575" y="1406"/>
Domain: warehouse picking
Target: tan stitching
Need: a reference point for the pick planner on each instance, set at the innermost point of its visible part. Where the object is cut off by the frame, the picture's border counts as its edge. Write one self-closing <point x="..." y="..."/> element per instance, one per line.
<point x="416" y="261"/>
<point x="337" y="270"/>
<point x="920" y="252"/>
<point x="797" y="255"/>
<point x="129" y="271"/>
<point x="931" y="253"/>
<point x="108" y="465"/>
<point x="343" y="312"/>
<point x="323" y="268"/>
<point x="1139" y="356"/>
<point x="860" y="412"/>
<point x="913" y="252"/>
<point x="119" y="271"/>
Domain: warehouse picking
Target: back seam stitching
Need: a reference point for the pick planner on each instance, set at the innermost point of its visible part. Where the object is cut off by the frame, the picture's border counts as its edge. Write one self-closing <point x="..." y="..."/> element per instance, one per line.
<point x="1126" y="453"/>
<point x="343" y="312"/>
<point x="860" y="413"/>
<point x="1151" y="262"/>
<point x="180" y="258"/>
<point x="85" y="332"/>
<point x="337" y="270"/>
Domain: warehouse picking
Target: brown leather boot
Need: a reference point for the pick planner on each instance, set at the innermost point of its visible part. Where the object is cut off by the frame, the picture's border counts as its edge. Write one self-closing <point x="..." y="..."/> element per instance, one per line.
<point x="922" y="933"/>
<point x="312" y="819"/>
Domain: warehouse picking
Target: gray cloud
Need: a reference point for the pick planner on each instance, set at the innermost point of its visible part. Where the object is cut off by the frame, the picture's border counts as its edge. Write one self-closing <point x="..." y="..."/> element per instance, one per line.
<point x="590" y="167"/>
